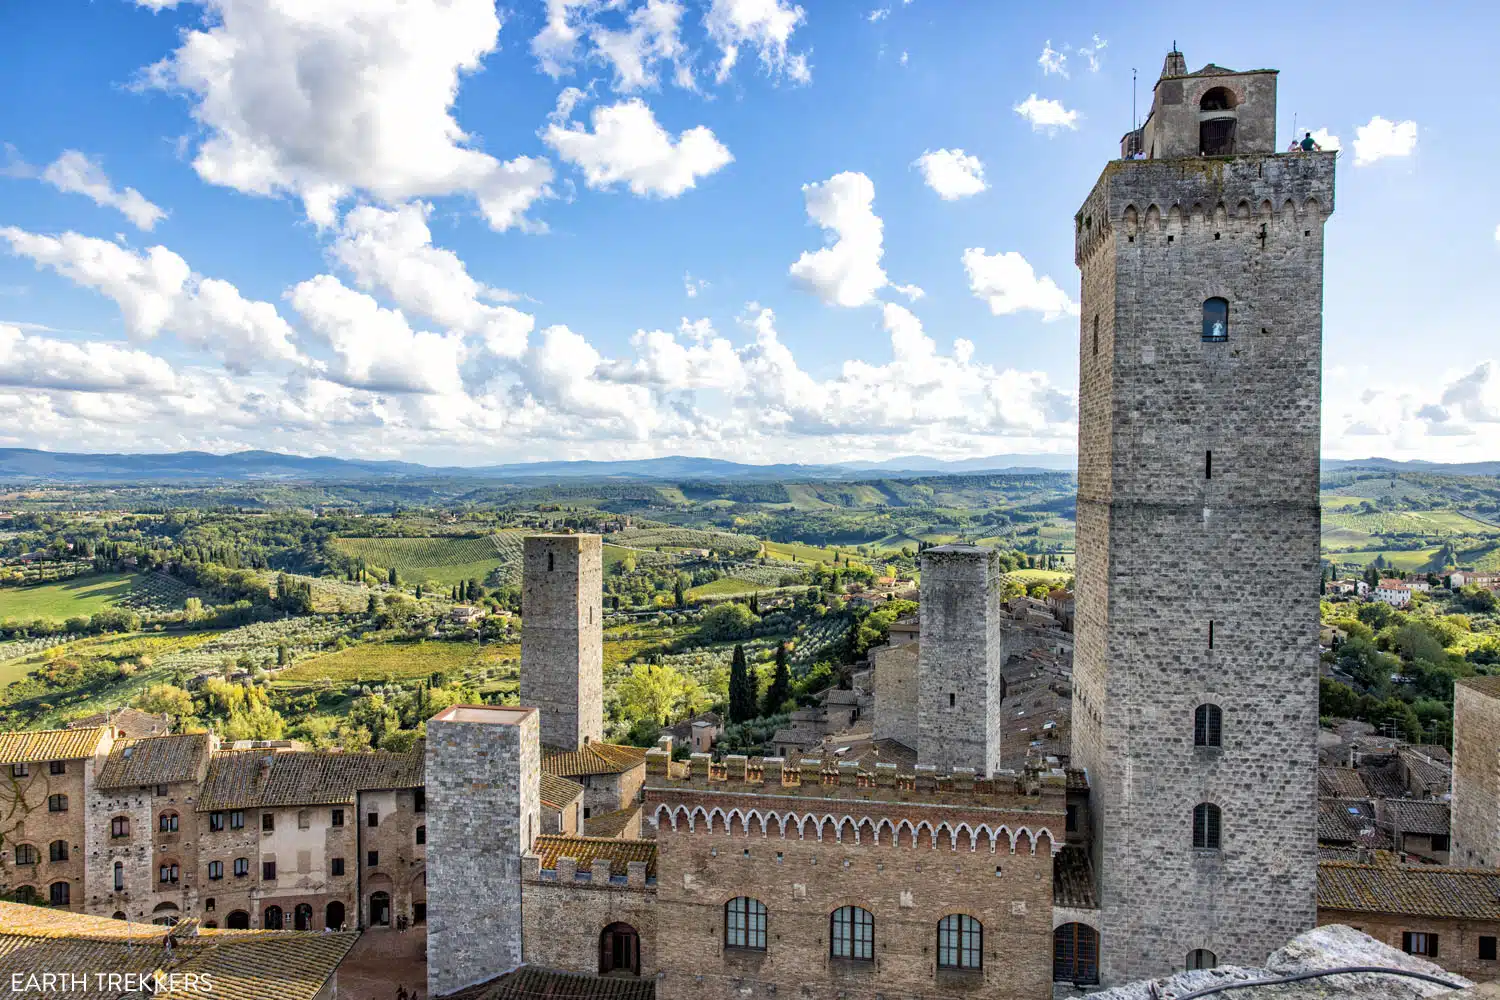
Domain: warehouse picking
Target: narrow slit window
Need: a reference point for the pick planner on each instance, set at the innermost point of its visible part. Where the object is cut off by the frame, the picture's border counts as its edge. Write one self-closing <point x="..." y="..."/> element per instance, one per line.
<point x="1210" y="633"/>
<point x="1096" y="335"/>
<point x="1208" y="464"/>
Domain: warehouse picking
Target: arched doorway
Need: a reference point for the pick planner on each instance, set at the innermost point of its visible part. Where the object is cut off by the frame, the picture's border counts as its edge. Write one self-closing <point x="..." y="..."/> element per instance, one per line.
<point x="271" y="918"/>
<point x="619" y="951"/>
<point x="302" y="917"/>
<point x="239" y="920"/>
<point x="333" y="917"/>
<point x="1075" y="954"/>
<point x="380" y="909"/>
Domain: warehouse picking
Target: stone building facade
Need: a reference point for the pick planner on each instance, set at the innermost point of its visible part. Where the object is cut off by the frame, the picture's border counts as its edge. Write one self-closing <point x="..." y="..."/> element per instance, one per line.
<point x="894" y="667"/>
<point x="483" y="763"/>
<point x="1476" y="777"/>
<point x="959" y="686"/>
<point x="562" y="641"/>
<point x="1195" y="711"/>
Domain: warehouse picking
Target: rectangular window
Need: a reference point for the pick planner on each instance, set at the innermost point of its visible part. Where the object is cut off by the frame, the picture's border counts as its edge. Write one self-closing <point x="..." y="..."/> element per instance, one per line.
<point x="419" y="913"/>
<point x="57" y="803"/>
<point x="58" y="767"/>
<point x="372" y="819"/>
<point x="268" y="871"/>
<point x="419" y="796"/>
<point x="19" y="770"/>
<point x="372" y="859"/>
<point x="1486" y="948"/>
<point x="236" y="820"/>
<point x="1208" y="465"/>
<point x="161" y="789"/>
<point x="215" y="870"/>
<point x="241" y="867"/>
<point x="168" y="874"/>
<point x="745" y="923"/>
<point x="421" y="834"/>
<point x="303" y="821"/>
<point x="853" y="934"/>
<point x="337" y="819"/>
<point x="336" y="866"/>
<point x="1210" y="633"/>
<point x="1071" y="823"/>
<point x="1440" y="842"/>
<point x="215" y="822"/>
<point x="267" y="822"/>
<point x="1417" y="943"/>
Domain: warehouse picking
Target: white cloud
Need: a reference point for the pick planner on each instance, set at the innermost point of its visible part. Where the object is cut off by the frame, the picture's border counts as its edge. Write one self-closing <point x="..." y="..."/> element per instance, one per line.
<point x="1053" y="61"/>
<point x="878" y="14"/>
<point x="666" y="364"/>
<point x="321" y="101"/>
<point x="765" y="25"/>
<point x="1325" y="139"/>
<point x="627" y="145"/>
<point x="847" y="272"/>
<point x="1091" y="53"/>
<point x="75" y="173"/>
<point x="1046" y="115"/>
<point x="563" y="371"/>
<point x="47" y="363"/>
<point x="1008" y="284"/>
<point x="1381" y="139"/>
<point x="376" y="348"/>
<point x="391" y="252"/>
<point x="693" y="286"/>
<point x="156" y="291"/>
<point x="652" y="36"/>
<point x="952" y="173"/>
<point x="905" y="57"/>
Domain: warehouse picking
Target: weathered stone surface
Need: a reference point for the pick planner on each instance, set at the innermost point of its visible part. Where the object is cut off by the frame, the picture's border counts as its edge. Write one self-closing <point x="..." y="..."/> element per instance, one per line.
<point x="1328" y="947"/>
<point x="1476" y="780"/>
<point x="562" y="637"/>
<point x="958" y="675"/>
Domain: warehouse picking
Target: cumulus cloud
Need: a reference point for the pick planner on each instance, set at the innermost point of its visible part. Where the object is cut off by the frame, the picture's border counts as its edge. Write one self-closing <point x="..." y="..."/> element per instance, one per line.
<point x="1053" y="61"/>
<point x="764" y="25"/>
<point x="47" y="363"/>
<point x="156" y="290"/>
<point x="1091" y="53"/>
<point x="650" y="37"/>
<point x="1008" y="284"/>
<point x="693" y="287"/>
<point x="627" y="145"/>
<point x="952" y="173"/>
<point x="390" y="252"/>
<point x="1046" y="115"/>
<point x="1326" y="140"/>
<point x="847" y="271"/>
<point x="1381" y="139"/>
<point x="75" y="173"/>
<point x="319" y="102"/>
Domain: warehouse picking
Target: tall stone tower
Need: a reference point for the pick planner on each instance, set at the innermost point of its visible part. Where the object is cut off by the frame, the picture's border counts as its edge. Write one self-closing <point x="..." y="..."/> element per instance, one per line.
<point x="959" y="686"/>
<point x="1195" y="694"/>
<point x="483" y="773"/>
<point x="562" y="637"/>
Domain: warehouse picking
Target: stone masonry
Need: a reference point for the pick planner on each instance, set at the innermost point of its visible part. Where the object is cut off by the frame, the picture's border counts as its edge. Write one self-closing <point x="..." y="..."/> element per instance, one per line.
<point x="1476" y="772"/>
<point x="562" y="633"/>
<point x="959" y="682"/>
<point x="1198" y="485"/>
<point x="483" y="810"/>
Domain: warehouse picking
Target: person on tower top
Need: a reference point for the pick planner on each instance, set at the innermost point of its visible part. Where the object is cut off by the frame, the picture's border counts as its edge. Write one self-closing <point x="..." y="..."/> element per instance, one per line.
<point x="1309" y="144"/>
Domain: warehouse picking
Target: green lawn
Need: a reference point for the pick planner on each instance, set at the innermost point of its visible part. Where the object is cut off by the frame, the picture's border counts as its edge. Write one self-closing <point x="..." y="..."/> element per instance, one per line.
<point x="442" y="560"/>
<point x="1032" y="577"/>
<point x="381" y="661"/>
<point x="1414" y="559"/>
<point x="725" y="586"/>
<point x="81" y="595"/>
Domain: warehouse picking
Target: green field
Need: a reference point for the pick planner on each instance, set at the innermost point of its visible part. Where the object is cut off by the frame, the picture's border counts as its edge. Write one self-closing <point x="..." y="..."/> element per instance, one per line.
<point x="441" y="560"/>
<point x="1421" y="522"/>
<point x="788" y="551"/>
<point x="724" y="587"/>
<point x="391" y="661"/>
<point x="82" y="595"/>
<point x="1414" y="559"/>
<point x="1032" y="577"/>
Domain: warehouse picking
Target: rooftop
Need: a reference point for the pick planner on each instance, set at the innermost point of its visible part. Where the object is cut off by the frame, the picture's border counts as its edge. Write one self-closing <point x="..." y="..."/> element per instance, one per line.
<point x="552" y="846"/>
<point x="50" y="744"/>
<point x="250" y="779"/>
<point x="558" y="792"/>
<point x="154" y="760"/>
<point x="528" y="983"/>
<point x="1487" y="685"/>
<point x="127" y="722"/>
<point x="614" y="824"/>
<point x="594" y="758"/>
<point x="1410" y="890"/>
<point x="495" y="715"/>
<point x="1416" y="816"/>
<point x="1073" y="878"/>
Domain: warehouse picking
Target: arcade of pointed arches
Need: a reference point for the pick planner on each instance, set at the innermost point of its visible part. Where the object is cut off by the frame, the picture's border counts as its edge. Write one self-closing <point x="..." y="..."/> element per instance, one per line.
<point x="810" y="826"/>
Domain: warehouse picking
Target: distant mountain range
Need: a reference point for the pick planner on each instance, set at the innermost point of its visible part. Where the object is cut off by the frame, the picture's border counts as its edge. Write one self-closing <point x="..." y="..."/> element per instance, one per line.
<point x="25" y="465"/>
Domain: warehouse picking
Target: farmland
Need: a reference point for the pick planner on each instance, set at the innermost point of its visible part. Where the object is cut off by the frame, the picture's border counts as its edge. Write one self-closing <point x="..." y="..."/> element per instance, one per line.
<point x="86" y="595"/>
<point x="441" y="560"/>
<point x="374" y="662"/>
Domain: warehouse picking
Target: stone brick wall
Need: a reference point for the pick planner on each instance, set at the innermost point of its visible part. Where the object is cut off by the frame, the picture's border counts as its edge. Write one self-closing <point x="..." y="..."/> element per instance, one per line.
<point x="1458" y="940"/>
<point x="564" y="919"/>
<point x="1476" y="777"/>
<point x="143" y="852"/>
<point x="402" y="862"/>
<point x="958" y="677"/>
<point x="895" y="669"/>
<point x="802" y="879"/>
<point x="1172" y="130"/>
<point x="1164" y="550"/>
<point x="25" y="819"/>
<point x="483" y="810"/>
<point x="562" y="650"/>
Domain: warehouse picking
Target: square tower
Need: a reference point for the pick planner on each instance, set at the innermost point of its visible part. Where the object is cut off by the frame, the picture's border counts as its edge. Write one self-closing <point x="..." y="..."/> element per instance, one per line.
<point x="483" y="772"/>
<point x="959" y="687"/>
<point x="1195" y="679"/>
<point x="562" y="637"/>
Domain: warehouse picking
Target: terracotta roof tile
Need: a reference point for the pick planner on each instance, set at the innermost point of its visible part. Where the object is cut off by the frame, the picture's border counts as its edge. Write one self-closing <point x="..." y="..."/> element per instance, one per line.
<point x="1345" y="820"/>
<point x="127" y="722"/>
<point x="1073" y="878"/>
<point x="1487" y="685"/>
<point x="50" y="744"/>
<point x="155" y="760"/>
<point x="595" y="758"/>
<point x="558" y="792"/>
<point x="614" y="824"/>
<point x="1415" y="890"/>
<point x="1341" y="783"/>
<point x="250" y="965"/>
<point x="1415" y="816"/>
<point x="551" y="846"/>
<point x="250" y="779"/>
<point x="529" y="983"/>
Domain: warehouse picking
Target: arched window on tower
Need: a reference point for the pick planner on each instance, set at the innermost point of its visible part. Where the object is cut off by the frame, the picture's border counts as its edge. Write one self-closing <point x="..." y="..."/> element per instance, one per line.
<point x="745" y="923"/>
<point x="1201" y="958"/>
<point x="1216" y="124"/>
<point x="1217" y="99"/>
<point x="1206" y="827"/>
<point x="1215" y="320"/>
<point x="1208" y="726"/>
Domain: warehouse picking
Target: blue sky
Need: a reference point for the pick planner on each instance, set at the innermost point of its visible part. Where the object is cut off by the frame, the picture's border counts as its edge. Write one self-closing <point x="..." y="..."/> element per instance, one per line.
<point x="448" y="232"/>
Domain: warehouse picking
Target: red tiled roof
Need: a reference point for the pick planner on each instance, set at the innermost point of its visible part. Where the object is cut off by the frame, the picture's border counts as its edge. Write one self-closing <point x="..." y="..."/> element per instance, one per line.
<point x="551" y="846"/>
<point x="595" y="758"/>
<point x="527" y="983"/>
<point x="1410" y="890"/>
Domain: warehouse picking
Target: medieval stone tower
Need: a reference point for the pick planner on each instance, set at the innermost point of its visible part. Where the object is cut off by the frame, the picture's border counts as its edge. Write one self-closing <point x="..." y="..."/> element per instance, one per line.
<point x="959" y="686"/>
<point x="483" y="812"/>
<point x="562" y="637"/>
<point x="1195" y="694"/>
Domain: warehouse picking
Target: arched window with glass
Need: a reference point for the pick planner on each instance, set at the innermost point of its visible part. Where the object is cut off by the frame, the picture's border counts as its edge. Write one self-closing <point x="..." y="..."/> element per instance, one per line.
<point x="167" y="823"/>
<point x="1215" y="320"/>
<point x="960" y="942"/>
<point x="1206" y="827"/>
<point x="1208" y="726"/>
<point x="851" y="934"/>
<point x="58" y="850"/>
<point x="27" y="854"/>
<point x="1201" y="958"/>
<point x="745" y="924"/>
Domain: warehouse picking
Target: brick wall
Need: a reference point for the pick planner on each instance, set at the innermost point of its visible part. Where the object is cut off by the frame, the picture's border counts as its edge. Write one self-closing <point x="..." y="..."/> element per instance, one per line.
<point x="565" y="919"/>
<point x="1163" y="550"/>
<point x="1458" y="940"/>
<point x="26" y="819"/>
<point x="1476" y="777"/>
<point x="402" y="862"/>
<point x="562" y="651"/>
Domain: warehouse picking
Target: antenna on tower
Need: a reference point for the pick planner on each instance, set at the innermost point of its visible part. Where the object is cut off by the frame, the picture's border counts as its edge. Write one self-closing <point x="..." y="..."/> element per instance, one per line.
<point x="1134" y="124"/>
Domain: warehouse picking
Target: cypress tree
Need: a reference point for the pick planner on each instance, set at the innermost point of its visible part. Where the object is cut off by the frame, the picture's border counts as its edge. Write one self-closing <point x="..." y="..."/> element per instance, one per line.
<point x="741" y="688"/>
<point x="781" y="683"/>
